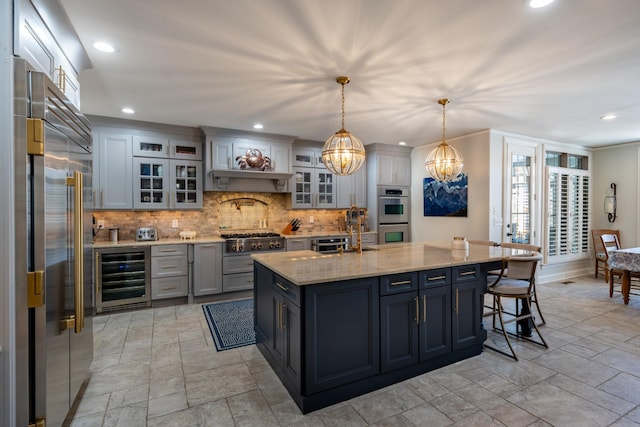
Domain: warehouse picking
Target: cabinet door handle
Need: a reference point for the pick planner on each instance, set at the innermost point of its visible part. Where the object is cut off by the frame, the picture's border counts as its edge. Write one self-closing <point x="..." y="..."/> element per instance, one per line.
<point x="168" y="288"/>
<point x="284" y="318"/>
<point x="169" y="266"/>
<point x="456" y="301"/>
<point x="168" y="250"/>
<point x="431" y="279"/>
<point x="424" y="308"/>
<point x="401" y="282"/>
<point x="281" y="286"/>
<point x="417" y="319"/>
<point x="468" y="273"/>
<point x="102" y="198"/>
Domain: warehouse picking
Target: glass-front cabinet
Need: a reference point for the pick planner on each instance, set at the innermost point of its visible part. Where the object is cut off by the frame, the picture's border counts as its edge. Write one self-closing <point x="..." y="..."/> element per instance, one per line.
<point x="167" y="184"/>
<point x="313" y="188"/>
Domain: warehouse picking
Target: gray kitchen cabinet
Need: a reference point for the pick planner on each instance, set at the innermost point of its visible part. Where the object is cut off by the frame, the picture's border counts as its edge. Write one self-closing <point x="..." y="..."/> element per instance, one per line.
<point x="298" y="244"/>
<point x="113" y="177"/>
<point x="388" y="165"/>
<point x="352" y="189"/>
<point x="169" y="271"/>
<point x="313" y="188"/>
<point x="151" y="146"/>
<point x="368" y="239"/>
<point x="167" y="183"/>
<point x="307" y="157"/>
<point x="207" y="269"/>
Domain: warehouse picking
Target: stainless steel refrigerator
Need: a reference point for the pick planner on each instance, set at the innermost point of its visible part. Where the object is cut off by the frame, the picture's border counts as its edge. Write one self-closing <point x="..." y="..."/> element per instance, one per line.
<point x="54" y="310"/>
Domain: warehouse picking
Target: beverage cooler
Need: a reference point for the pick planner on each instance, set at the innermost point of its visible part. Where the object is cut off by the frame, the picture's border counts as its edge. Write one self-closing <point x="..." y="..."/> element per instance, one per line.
<point x="123" y="278"/>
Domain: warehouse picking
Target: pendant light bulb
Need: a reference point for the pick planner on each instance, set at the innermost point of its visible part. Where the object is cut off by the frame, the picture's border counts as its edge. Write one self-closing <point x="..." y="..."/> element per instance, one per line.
<point x="444" y="163"/>
<point x="343" y="153"/>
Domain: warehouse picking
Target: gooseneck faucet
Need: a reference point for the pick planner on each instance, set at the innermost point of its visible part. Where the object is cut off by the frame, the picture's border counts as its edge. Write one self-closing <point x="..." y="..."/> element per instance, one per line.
<point x="355" y="212"/>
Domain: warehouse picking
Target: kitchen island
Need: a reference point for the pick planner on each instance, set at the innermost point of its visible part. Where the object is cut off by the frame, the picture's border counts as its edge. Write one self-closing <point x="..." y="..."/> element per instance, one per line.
<point x="336" y="326"/>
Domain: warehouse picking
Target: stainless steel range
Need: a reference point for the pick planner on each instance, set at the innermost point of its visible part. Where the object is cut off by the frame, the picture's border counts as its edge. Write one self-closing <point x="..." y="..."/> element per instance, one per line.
<point x="237" y="265"/>
<point x="237" y="243"/>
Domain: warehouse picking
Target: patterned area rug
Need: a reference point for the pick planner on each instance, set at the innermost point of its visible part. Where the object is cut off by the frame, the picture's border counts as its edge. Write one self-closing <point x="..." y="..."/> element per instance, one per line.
<point x="231" y="323"/>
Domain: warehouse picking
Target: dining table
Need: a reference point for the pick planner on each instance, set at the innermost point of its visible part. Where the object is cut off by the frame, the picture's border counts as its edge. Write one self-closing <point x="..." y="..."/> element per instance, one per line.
<point x="627" y="261"/>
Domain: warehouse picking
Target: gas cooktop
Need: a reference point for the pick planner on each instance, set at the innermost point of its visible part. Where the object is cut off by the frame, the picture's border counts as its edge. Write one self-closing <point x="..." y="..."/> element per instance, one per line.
<point x="248" y="235"/>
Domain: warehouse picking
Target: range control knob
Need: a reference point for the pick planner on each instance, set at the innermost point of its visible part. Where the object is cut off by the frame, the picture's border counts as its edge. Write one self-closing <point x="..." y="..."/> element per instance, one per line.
<point x="260" y="245"/>
<point x="272" y="245"/>
<point x="254" y="246"/>
<point x="277" y="244"/>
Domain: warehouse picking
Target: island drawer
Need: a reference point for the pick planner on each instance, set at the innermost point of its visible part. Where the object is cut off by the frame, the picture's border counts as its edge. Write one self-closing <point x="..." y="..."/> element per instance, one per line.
<point x="398" y="283"/>
<point x="287" y="288"/>
<point x="466" y="273"/>
<point x="436" y="277"/>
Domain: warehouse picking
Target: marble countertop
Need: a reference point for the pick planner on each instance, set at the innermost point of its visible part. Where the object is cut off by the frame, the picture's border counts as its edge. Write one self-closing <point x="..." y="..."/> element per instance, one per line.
<point x="308" y="267"/>
<point x="174" y="241"/>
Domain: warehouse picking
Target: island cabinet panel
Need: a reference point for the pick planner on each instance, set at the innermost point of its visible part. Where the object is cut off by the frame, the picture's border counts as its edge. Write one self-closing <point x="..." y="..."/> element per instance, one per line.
<point x="342" y="333"/>
<point x="469" y="285"/>
<point x="278" y="323"/>
<point x="399" y="330"/>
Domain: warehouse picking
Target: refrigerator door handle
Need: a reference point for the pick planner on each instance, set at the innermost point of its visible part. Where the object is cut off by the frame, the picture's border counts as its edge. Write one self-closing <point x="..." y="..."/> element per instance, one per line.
<point x="78" y="218"/>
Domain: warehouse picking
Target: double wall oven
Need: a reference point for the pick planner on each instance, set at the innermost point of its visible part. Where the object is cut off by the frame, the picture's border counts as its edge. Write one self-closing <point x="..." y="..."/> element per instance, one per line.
<point x="237" y="265"/>
<point x="393" y="214"/>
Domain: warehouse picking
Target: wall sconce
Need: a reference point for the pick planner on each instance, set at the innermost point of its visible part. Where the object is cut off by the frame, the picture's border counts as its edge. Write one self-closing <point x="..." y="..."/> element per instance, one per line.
<point x="610" y="203"/>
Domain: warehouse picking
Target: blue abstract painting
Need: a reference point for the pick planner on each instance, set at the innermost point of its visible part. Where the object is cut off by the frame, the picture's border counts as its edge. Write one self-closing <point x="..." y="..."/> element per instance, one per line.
<point x="445" y="198"/>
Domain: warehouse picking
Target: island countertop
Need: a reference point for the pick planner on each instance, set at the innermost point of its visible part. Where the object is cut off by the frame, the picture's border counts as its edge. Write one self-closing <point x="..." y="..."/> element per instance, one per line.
<point x="308" y="267"/>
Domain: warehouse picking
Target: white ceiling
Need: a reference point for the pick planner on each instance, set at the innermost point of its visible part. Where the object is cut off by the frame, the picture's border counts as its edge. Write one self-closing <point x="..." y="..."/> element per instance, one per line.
<point x="549" y="73"/>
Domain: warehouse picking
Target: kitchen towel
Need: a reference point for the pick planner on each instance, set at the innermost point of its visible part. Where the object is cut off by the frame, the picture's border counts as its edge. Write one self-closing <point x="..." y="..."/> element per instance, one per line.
<point x="230" y="323"/>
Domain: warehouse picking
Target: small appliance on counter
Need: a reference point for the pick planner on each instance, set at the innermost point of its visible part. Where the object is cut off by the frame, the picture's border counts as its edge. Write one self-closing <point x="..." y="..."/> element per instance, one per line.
<point x="146" y="234"/>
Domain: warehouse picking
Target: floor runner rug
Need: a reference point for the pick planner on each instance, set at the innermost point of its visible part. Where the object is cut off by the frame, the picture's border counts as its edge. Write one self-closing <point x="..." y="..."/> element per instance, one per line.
<point x="231" y="323"/>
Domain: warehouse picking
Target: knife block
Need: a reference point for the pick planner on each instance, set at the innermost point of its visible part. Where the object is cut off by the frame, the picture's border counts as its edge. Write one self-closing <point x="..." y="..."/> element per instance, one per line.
<point x="288" y="230"/>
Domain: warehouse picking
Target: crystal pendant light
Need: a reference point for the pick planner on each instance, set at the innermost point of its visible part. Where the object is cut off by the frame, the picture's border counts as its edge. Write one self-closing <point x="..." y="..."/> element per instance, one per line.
<point x="343" y="153"/>
<point x="444" y="163"/>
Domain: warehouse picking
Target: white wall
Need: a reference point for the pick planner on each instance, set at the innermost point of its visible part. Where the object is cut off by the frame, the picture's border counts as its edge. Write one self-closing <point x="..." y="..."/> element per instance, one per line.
<point x="619" y="165"/>
<point x="475" y="150"/>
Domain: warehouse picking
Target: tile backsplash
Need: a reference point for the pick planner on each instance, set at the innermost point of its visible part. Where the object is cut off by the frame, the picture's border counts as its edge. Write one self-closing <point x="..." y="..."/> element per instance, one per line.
<point x="220" y="211"/>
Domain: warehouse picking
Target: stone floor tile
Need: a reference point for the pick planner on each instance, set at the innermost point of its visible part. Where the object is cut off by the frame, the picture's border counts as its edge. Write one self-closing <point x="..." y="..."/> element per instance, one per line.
<point x="129" y="396"/>
<point x="480" y="397"/>
<point x="425" y="387"/>
<point x="167" y="404"/>
<point x="214" y="414"/>
<point x="624" y="422"/>
<point x="130" y="416"/>
<point x="625" y="386"/>
<point x="218" y="383"/>
<point x="92" y="420"/>
<point x="93" y="405"/>
<point x="426" y="411"/>
<point x="166" y="387"/>
<point x="579" y="368"/>
<point x="592" y="394"/>
<point x="511" y="415"/>
<point x="454" y="406"/>
<point x="341" y="415"/>
<point x="392" y="401"/>
<point x="251" y="409"/>
<point x="478" y="418"/>
<point x="561" y="408"/>
<point x="621" y="360"/>
<point x="166" y="372"/>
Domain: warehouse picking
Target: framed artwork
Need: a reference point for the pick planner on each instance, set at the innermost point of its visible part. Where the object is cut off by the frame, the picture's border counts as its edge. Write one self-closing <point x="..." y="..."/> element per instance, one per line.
<point x="445" y="198"/>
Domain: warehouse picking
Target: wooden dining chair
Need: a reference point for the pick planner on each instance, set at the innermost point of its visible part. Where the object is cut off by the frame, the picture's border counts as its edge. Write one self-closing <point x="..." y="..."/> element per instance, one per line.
<point x="600" y="255"/>
<point x="610" y="242"/>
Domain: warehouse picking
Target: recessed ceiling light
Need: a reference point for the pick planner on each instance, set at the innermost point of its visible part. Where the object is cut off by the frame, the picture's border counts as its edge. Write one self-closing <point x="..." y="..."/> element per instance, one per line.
<point x="402" y="143"/>
<point x="539" y="3"/>
<point x="609" y="117"/>
<point x="128" y="110"/>
<point x="258" y="126"/>
<point x="104" y="47"/>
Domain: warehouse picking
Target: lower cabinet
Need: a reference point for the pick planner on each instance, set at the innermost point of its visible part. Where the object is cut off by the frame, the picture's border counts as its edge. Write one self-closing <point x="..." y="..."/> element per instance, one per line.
<point x="207" y="269"/>
<point x="278" y="323"/>
<point x="169" y="271"/>
<point x="329" y="342"/>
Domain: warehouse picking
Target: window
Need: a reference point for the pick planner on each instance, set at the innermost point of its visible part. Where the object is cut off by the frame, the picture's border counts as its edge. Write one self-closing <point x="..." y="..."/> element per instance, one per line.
<point x="567" y="213"/>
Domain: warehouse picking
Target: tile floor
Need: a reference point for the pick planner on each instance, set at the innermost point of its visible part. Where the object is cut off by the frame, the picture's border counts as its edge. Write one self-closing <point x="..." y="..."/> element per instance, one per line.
<point x="158" y="367"/>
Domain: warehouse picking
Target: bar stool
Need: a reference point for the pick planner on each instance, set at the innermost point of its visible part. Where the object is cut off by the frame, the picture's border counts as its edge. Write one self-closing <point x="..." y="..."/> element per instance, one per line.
<point x="517" y="281"/>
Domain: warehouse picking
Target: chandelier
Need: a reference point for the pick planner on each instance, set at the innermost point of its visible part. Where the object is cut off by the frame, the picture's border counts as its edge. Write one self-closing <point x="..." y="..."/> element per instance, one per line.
<point x="444" y="163"/>
<point x="343" y="153"/>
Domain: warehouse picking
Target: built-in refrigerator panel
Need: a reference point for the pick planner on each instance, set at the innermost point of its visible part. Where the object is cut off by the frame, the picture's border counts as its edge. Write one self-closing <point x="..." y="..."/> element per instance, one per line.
<point x="57" y="166"/>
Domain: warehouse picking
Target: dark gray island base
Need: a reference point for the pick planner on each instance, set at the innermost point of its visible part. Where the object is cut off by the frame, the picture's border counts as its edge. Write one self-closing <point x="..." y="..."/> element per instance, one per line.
<point x="332" y="341"/>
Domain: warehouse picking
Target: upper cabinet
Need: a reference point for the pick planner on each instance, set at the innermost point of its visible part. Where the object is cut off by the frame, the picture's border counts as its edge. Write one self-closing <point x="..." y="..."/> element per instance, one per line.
<point x="352" y="189"/>
<point x="389" y="165"/>
<point x="233" y="157"/>
<point x="51" y="47"/>
<point x="146" y="166"/>
<point x="112" y="170"/>
<point x="312" y="185"/>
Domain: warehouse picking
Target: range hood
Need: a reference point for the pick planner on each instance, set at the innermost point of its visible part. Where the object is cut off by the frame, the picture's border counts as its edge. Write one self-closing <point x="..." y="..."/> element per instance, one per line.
<point x="234" y="161"/>
<point x="247" y="181"/>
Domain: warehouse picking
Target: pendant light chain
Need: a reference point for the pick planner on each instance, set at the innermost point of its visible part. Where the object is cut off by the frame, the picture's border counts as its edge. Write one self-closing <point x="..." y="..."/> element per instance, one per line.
<point x="444" y="122"/>
<point x="342" y="128"/>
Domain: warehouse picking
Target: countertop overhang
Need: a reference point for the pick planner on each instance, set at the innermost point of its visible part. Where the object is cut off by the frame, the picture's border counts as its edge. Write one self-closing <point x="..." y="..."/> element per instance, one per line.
<point x="308" y="267"/>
